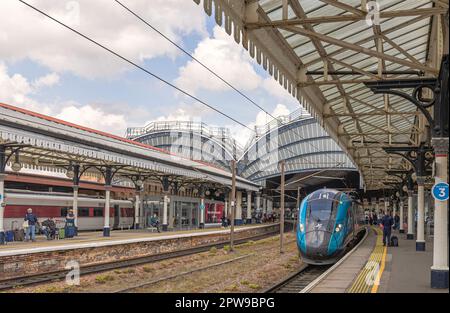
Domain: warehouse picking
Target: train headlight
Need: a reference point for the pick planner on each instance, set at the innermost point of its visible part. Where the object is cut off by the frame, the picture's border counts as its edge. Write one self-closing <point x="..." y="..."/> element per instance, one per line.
<point x="338" y="228"/>
<point x="302" y="227"/>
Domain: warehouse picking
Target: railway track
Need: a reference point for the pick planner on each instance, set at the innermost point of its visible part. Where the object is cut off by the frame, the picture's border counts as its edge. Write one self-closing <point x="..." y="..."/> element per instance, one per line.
<point x="307" y="274"/>
<point x="97" y="268"/>
<point x="299" y="280"/>
<point x="176" y="275"/>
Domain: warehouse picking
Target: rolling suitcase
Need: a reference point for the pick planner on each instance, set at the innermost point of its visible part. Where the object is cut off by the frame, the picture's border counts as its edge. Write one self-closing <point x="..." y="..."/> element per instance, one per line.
<point x="70" y="231"/>
<point x="61" y="233"/>
<point x="19" y="235"/>
<point x="394" y="241"/>
<point x="9" y="236"/>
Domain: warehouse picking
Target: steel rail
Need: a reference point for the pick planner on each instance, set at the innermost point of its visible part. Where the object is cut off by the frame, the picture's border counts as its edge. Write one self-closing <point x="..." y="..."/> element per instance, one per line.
<point x="308" y="275"/>
<point x="96" y="268"/>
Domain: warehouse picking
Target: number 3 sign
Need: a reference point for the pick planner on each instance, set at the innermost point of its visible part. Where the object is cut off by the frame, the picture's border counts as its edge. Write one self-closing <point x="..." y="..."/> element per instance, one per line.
<point x="440" y="191"/>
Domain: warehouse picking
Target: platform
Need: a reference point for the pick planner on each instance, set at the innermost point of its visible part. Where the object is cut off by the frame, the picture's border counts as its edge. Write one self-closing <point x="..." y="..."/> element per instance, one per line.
<point x="96" y="239"/>
<point x="373" y="268"/>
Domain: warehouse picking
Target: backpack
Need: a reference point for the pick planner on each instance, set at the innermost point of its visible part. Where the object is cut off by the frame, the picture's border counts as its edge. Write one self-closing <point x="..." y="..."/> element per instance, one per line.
<point x="394" y="241"/>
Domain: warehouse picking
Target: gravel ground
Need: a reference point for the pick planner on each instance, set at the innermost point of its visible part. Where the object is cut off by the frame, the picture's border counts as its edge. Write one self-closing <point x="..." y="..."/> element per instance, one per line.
<point x="262" y="265"/>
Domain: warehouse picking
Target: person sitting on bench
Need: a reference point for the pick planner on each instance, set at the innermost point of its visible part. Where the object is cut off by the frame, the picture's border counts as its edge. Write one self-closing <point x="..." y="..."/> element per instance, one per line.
<point x="49" y="228"/>
<point x="154" y="222"/>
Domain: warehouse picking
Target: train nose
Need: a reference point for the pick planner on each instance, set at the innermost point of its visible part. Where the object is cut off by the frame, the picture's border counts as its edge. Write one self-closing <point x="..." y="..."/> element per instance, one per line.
<point x="317" y="242"/>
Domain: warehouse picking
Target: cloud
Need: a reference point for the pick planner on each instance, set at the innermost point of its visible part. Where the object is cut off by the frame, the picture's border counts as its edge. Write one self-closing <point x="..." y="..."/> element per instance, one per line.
<point x="222" y="55"/>
<point x="243" y="135"/>
<point x="46" y="81"/>
<point x="276" y="90"/>
<point x="25" y="34"/>
<point x="95" y="118"/>
<point x="17" y="90"/>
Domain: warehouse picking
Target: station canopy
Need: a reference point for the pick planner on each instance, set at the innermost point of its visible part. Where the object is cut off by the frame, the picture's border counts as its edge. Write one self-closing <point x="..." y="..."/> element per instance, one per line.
<point x="323" y="51"/>
<point x="52" y="145"/>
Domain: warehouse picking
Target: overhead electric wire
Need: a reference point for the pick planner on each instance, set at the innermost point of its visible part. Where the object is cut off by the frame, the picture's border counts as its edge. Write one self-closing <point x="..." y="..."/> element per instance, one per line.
<point x="211" y="71"/>
<point x="136" y="65"/>
<point x="160" y="78"/>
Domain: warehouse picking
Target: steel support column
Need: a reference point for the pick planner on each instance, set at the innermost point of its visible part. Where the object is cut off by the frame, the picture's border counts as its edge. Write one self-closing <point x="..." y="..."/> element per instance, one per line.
<point x="410" y="234"/>
<point x="108" y="175"/>
<point x="2" y="207"/>
<point x="249" y="207"/>
<point x="439" y="270"/>
<point x="402" y="218"/>
<point x="238" y="217"/>
<point x="420" y="241"/>
<point x="166" y="200"/>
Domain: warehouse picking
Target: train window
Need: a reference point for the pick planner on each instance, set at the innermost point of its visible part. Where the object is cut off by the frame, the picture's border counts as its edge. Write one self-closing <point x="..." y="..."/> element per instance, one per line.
<point x="64" y="212"/>
<point x="98" y="212"/>
<point x="323" y="205"/>
<point x="83" y="212"/>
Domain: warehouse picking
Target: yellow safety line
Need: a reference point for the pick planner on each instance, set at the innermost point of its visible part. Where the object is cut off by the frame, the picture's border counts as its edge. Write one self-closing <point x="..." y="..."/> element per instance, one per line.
<point x="378" y="256"/>
<point x="380" y="272"/>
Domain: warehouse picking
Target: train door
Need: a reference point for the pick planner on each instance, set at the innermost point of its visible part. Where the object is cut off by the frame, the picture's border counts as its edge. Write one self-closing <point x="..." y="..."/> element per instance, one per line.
<point x="116" y="220"/>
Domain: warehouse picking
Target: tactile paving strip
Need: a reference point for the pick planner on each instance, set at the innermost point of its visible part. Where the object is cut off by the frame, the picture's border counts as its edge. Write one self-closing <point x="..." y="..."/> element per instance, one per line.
<point x="368" y="279"/>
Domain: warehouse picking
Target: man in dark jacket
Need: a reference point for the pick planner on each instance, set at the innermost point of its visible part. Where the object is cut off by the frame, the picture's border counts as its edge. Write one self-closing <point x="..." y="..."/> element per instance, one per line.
<point x="32" y="220"/>
<point x="387" y="221"/>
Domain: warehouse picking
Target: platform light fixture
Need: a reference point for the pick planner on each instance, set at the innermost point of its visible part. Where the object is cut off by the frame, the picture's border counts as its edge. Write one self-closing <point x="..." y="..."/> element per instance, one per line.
<point x="16" y="166"/>
<point x="70" y="173"/>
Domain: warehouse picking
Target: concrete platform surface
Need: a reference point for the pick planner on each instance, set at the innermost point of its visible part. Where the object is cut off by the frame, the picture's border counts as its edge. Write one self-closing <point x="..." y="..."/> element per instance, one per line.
<point x="373" y="268"/>
<point x="342" y="277"/>
<point x="96" y="239"/>
<point x="408" y="270"/>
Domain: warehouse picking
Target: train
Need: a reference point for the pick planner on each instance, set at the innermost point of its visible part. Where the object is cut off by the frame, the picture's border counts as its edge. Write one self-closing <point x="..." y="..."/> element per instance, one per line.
<point x="56" y="205"/>
<point x="91" y="210"/>
<point x="328" y="221"/>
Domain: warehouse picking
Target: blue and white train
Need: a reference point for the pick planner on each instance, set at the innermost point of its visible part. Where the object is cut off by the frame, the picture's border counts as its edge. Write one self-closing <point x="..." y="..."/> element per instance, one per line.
<point x="328" y="221"/>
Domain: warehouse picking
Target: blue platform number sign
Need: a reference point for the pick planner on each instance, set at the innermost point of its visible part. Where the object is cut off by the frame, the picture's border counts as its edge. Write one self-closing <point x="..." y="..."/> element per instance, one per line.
<point x="440" y="191"/>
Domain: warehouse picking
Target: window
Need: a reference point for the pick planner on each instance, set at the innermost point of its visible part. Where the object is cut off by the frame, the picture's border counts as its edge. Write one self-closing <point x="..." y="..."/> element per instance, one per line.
<point x="322" y="205"/>
<point x="98" y="212"/>
<point x="83" y="212"/>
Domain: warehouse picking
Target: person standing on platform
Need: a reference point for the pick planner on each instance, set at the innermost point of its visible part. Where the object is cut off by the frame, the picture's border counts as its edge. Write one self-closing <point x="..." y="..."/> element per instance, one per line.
<point x="375" y="218"/>
<point x="387" y="222"/>
<point x="396" y="222"/>
<point x="32" y="220"/>
<point x="70" y="224"/>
